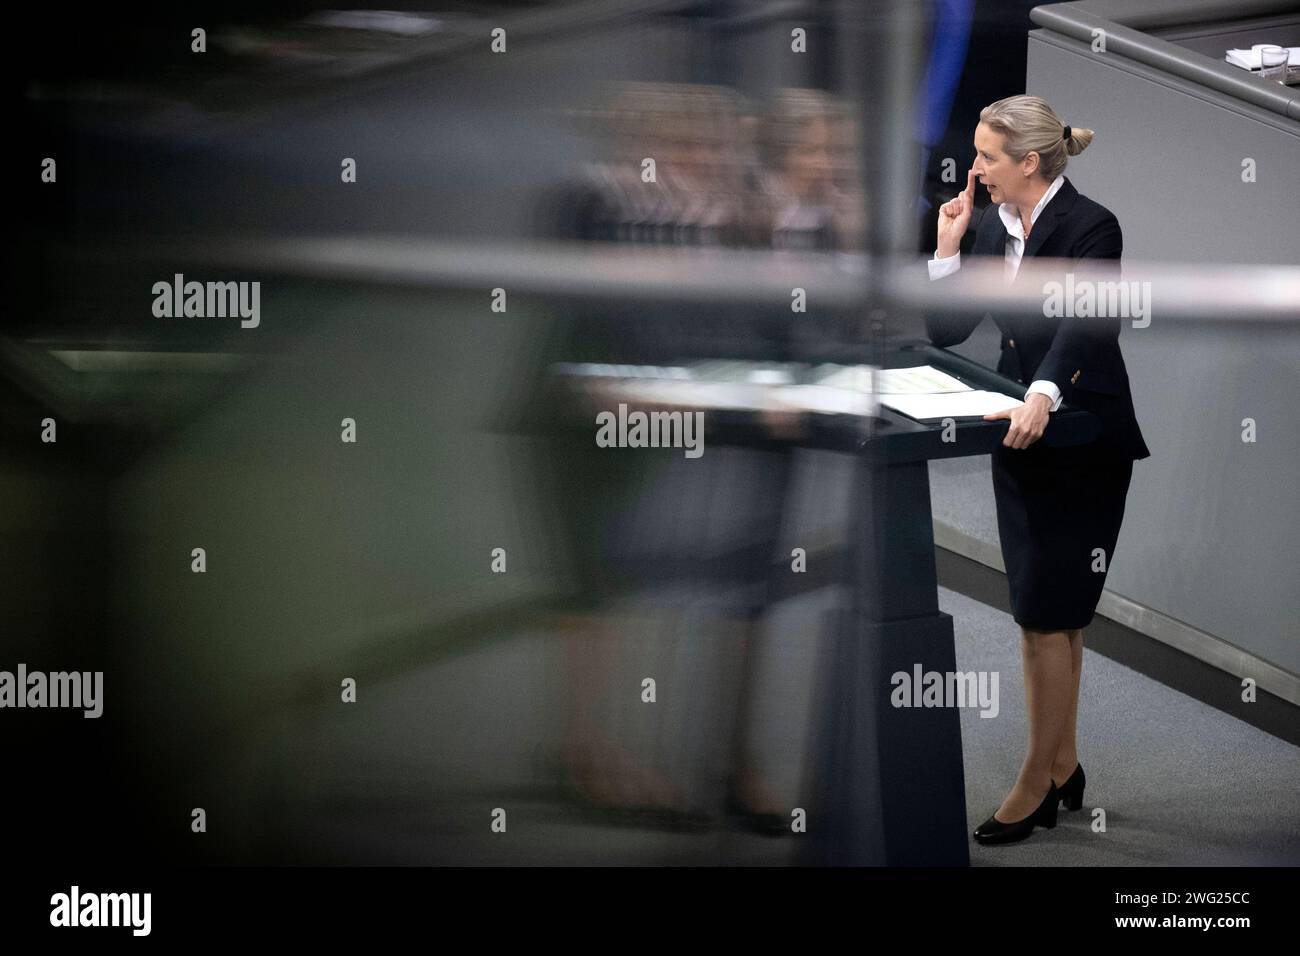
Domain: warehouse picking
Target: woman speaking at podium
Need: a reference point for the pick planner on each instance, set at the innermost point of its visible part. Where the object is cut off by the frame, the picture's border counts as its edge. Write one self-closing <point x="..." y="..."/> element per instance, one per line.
<point x="1059" y="510"/>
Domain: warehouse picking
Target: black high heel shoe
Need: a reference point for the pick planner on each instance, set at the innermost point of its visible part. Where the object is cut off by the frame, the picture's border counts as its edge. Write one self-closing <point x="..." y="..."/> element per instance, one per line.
<point x="1072" y="790"/>
<point x="994" y="830"/>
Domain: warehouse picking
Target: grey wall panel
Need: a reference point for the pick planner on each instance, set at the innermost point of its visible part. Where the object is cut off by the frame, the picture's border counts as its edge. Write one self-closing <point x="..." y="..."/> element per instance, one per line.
<point x="1167" y="159"/>
<point x="1211" y="535"/>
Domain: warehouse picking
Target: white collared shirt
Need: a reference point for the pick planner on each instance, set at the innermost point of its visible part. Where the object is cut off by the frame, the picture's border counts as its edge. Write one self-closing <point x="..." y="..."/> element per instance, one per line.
<point x="1014" y="253"/>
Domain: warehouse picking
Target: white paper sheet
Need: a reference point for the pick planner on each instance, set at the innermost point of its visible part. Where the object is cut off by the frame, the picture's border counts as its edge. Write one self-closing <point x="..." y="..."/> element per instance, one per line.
<point x="921" y="380"/>
<point x="918" y="380"/>
<point x="951" y="404"/>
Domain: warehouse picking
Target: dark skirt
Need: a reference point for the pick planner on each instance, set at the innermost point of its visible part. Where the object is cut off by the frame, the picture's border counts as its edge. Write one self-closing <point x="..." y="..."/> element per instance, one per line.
<point x="1057" y="508"/>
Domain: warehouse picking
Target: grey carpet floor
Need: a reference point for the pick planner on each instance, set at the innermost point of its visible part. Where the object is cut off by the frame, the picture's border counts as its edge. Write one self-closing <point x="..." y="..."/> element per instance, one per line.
<point x="1171" y="781"/>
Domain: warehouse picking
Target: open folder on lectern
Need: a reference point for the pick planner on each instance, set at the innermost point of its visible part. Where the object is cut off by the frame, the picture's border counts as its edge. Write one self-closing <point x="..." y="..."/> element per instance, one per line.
<point x="927" y="393"/>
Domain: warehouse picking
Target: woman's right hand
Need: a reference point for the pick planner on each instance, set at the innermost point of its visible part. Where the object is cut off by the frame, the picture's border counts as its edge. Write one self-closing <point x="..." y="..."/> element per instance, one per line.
<point x="954" y="217"/>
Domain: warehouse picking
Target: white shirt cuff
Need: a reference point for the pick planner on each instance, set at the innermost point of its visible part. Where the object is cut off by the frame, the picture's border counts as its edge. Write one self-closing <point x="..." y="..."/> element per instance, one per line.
<point x="943" y="267"/>
<point x="1047" y="388"/>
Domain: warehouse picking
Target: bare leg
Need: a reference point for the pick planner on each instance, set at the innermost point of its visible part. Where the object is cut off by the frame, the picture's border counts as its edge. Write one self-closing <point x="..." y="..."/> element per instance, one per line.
<point x="1067" y="754"/>
<point x="1048" y="681"/>
<point x="603" y="771"/>
<point x="587" y="659"/>
<point x="750" y="788"/>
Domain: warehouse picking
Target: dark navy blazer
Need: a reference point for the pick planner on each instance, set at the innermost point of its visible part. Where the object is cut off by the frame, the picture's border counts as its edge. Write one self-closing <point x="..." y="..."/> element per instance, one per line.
<point x="1080" y="355"/>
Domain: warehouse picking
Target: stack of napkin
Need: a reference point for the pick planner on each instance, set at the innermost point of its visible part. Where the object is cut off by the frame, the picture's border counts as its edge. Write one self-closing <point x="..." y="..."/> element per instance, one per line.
<point x="1249" y="59"/>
